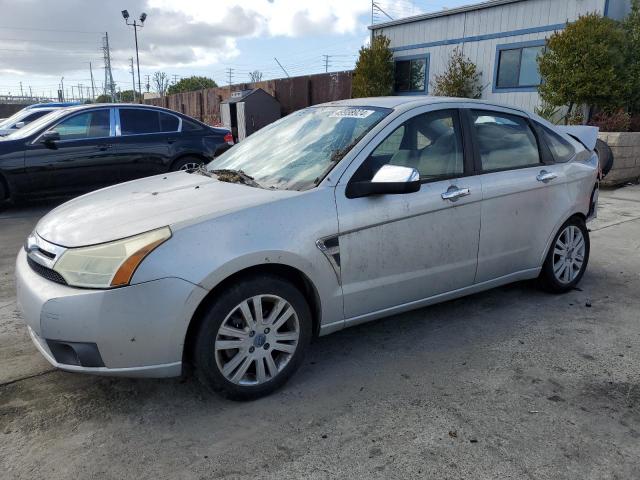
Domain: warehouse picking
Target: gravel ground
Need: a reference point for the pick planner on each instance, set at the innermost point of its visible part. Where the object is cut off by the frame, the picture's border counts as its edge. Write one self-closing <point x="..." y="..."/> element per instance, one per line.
<point x="510" y="383"/>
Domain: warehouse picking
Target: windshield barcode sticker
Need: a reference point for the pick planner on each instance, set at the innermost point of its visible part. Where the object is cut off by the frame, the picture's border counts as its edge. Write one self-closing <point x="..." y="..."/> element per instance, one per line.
<point x="351" y="113"/>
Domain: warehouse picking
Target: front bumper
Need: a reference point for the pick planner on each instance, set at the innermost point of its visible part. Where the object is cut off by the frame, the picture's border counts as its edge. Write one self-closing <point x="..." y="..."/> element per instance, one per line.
<point x="139" y="330"/>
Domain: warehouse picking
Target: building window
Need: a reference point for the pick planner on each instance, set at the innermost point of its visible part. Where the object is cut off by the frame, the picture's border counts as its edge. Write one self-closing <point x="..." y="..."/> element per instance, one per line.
<point x="411" y="74"/>
<point x="517" y="66"/>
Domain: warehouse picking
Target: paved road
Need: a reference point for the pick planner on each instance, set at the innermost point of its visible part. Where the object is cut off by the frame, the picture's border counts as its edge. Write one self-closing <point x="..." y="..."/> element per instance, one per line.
<point x="511" y="383"/>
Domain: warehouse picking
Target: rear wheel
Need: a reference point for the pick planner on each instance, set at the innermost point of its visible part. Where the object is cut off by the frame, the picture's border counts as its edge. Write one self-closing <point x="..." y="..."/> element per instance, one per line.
<point x="253" y="338"/>
<point x="568" y="257"/>
<point x="187" y="164"/>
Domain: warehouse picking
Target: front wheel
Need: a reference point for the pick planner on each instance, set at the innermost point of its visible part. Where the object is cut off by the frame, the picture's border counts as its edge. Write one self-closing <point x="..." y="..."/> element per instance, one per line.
<point x="568" y="257"/>
<point x="253" y="338"/>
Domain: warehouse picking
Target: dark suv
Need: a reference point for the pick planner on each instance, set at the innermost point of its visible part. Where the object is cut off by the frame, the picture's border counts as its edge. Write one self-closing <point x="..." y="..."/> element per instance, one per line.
<point x="84" y="148"/>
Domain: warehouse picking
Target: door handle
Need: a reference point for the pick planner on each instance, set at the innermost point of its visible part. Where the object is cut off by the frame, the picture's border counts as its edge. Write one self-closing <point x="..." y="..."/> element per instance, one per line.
<point x="104" y="148"/>
<point x="454" y="193"/>
<point x="545" y="176"/>
<point x="171" y="140"/>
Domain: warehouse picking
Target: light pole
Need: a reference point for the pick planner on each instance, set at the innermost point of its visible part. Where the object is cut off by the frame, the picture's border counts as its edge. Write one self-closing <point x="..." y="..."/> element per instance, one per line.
<point x="136" y="25"/>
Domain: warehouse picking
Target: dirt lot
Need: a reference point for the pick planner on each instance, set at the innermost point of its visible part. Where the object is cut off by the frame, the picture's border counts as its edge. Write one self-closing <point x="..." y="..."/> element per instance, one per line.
<point x="512" y="383"/>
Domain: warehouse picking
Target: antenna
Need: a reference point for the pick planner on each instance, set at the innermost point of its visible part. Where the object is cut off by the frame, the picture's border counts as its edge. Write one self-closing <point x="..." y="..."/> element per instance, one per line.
<point x="280" y="65"/>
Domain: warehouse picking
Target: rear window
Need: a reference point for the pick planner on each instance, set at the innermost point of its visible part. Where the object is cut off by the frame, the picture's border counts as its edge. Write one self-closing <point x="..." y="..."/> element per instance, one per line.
<point x="188" y="125"/>
<point x="136" y="121"/>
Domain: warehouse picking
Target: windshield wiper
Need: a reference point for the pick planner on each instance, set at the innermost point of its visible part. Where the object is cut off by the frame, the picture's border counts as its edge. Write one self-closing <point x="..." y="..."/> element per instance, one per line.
<point x="235" y="176"/>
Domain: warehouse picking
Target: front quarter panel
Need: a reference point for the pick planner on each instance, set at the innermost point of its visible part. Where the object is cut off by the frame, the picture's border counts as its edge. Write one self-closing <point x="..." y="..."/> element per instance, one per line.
<point x="283" y="232"/>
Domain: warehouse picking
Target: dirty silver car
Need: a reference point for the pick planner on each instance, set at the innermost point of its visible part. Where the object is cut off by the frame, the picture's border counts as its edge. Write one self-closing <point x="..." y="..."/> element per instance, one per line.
<point x="333" y="216"/>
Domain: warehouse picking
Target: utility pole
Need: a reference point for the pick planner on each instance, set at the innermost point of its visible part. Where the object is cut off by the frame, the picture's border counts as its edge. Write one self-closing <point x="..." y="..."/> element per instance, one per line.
<point x="61" y="91"/>
<point x="230" y="73"/>
<point x="133" y="78"/>
<point x="175" y="78"/>
<point x="30" y="92"/>
<point x="80" y="94"/>
<point x="93" y="85"/>
<point x="280" y="65"/>
<point x="21" y="92"/>
<point x="148" y="84"/>
<point x="326" y="63"/>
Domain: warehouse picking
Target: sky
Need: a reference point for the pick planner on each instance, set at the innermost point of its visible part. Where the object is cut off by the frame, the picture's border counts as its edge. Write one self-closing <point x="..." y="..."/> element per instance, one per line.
<point x="42" y="41"/>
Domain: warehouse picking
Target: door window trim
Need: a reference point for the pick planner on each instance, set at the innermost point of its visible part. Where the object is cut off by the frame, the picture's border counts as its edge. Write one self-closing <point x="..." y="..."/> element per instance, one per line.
<point x="456" y="113"/>
<point x="81" y="112"/>
<point x="543" y="152"/>
<point x="118" y="124"/>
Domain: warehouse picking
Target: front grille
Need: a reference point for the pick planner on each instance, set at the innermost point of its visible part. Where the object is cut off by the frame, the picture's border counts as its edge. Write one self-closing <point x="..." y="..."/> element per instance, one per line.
<point x="45" y="272"/>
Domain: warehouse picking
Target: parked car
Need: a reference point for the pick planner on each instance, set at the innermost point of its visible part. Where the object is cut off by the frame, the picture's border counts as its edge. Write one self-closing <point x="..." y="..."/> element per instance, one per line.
<point x="28" y="115"/>
<point x="87" y="147"/>
<point x="333" y="216"/>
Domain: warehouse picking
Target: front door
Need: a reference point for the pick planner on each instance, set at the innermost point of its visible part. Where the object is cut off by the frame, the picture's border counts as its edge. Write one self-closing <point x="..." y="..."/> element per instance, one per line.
<point x="399" y="249"/>
<point x="524" y="197"/>
<point x="83" y="159"/>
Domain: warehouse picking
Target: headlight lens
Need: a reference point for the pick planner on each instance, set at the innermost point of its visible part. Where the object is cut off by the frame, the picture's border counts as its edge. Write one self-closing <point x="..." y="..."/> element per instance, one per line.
<point x="109" y="264"/>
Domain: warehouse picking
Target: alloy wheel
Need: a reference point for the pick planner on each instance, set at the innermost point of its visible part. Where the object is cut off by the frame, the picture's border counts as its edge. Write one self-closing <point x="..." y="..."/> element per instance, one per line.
<point x="257" y="340"/>
<point x="190" y="167"/>
<point x="568" y="254"/>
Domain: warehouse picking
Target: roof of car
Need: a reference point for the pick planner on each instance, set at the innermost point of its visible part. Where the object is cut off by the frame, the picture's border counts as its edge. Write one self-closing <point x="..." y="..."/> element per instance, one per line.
<point x="411" y="101"/>
<point x="111" y="105"/>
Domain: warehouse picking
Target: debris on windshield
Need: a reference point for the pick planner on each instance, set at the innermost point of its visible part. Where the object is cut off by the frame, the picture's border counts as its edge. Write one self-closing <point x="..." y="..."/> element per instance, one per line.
<point x="235" y="176"/>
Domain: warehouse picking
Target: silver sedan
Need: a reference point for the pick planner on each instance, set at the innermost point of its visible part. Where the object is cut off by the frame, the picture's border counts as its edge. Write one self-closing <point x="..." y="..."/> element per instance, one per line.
<point x="333" y="216"/>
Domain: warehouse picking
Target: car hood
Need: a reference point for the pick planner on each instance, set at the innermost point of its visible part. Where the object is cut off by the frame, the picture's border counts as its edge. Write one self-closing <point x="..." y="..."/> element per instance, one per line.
<point x="174" y="199"/>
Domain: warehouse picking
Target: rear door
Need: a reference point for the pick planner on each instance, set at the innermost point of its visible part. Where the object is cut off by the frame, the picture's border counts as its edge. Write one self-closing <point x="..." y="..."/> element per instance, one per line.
<point x="146" y="141"/>
<point x="524" y="193"/>
<point x="82" y="160"/>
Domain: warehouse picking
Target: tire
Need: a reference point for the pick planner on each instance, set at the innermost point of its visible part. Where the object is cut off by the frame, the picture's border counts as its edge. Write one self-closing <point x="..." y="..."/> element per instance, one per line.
<point x="605" y="157"/>
<point x="561" y="272"/>
<point x="229" y="350"/>
<point x="186" y="163"/>
<point x="4" y="197"/>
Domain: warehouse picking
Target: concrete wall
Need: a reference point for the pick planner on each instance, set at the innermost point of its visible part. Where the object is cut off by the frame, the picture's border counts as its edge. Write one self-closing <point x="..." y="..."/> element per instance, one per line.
<point x="626" y="157"/>
<point x="480" y="32"/>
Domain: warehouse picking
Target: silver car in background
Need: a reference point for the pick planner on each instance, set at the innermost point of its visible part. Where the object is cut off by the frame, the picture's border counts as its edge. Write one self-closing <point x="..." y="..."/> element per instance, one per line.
<point x="333" y="216"/>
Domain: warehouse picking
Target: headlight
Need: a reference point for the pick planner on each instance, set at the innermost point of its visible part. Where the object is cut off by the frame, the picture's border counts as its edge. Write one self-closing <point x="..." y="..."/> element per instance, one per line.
<point x="109" y="264"/>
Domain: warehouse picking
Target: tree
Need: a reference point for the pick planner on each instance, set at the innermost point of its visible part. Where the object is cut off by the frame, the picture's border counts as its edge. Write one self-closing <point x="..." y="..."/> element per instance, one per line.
<point x="461" y="79"/>
<point x="373" y="75"/>
<point x="191" y="84"/>
<point x="255" y="76"/>
<point x="585" y="65"/>
<point x="161" y="82"/>
<point x="632" y="28"/>
<point x="103" y="99"/>
<point x="126" y="96"/>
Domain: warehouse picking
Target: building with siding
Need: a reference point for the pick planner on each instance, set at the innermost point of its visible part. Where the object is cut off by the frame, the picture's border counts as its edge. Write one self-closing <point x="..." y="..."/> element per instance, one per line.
<point x="502" y="37"/>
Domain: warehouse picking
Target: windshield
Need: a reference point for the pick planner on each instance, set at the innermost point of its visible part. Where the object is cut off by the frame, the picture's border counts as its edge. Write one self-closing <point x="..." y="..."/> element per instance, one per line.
<point x="34" y="126"/>
<point x="16" y="117"/>
<point x="297" y="152"/>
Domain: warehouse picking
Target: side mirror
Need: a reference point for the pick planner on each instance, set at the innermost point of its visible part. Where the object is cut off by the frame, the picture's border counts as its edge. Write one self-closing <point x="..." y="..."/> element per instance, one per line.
<point x="50" y="138"/>
<point x="389" y="180"/>
<point x="19" y="125"/>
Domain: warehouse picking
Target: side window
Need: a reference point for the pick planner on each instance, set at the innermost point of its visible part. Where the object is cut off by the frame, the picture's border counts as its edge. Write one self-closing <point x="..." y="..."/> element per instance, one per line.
<point x="431" y="143"/>
<point x="35" y="115"/>
<point x="505" y="141"/>
<point x="94" y="124"/>
<point x="561" y="150"/>
<point x="168" y="123"/>
<point x="135" y="121"/>
<point x="188" y="126"/>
